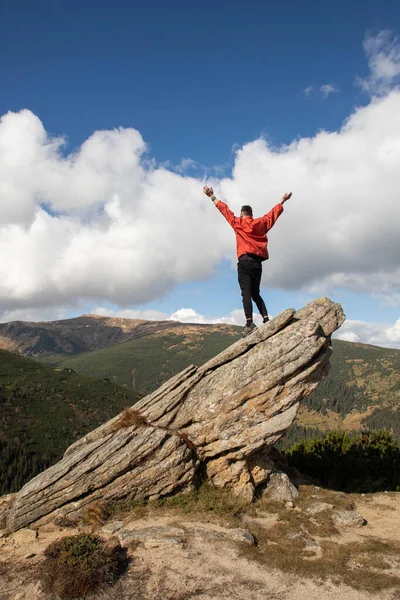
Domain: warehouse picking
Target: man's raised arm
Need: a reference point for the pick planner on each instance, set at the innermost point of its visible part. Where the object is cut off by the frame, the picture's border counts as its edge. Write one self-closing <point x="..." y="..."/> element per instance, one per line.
<point x="271" y="217"/>
<point x="222" y="207"/>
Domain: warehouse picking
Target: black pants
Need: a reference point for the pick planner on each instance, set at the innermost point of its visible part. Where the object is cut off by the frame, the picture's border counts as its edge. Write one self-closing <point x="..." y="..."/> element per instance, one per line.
<point x="249" y="277"/>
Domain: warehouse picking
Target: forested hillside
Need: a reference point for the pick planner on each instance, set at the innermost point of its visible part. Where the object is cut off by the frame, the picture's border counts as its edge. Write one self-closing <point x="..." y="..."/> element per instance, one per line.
<point x="362" y="391"/>
<point x="42" y="411"/>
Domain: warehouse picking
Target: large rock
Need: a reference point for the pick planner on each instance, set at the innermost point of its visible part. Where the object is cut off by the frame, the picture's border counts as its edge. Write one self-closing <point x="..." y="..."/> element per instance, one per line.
<point x="348" y="518"/>
<point x="280" y="488"/>
<point x="219" y="420"/>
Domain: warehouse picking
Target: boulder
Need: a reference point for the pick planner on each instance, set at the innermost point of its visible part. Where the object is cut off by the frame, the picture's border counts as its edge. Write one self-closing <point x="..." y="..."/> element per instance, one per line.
<point x="348" y="518"/>
<point x="317" y="507"/>
<point x="280" y="488"/>
<point x="218" y="421"/>
<point x="152" y="537"/>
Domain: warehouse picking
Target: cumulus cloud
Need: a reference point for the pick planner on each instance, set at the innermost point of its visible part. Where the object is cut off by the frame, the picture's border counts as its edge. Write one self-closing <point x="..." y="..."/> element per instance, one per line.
<point x="182" y="315"/>
<point x="102" y="223"/>
<point x="340" y="229"/>
<point x="370" y="333"/>
<point x="383" y="53"/>
<point x="188" y="315"/>
<point x="35" y="315"/>
<point x="107" y="224"/>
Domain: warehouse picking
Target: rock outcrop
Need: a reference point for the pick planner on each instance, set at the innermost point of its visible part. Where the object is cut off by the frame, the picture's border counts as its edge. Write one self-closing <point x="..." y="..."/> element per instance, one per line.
<point x="219" y="421"/>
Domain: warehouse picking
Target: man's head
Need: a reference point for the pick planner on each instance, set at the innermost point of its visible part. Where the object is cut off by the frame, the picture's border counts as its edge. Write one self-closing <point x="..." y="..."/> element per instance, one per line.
<point x="246" y="211"/>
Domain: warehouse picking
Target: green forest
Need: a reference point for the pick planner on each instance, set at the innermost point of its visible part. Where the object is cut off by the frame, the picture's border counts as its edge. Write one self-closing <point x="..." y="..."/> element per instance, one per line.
<point x="42" y="411"/>
<point x="362" y="462"/>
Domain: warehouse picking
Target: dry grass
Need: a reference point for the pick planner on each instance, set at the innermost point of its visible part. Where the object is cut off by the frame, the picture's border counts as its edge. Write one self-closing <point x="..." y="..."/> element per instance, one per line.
<point x="95" y="514"/>
<point x="297" y="543"/>
<point x="359" y="565"/>
<point x="340" y="500"/>
<point x="208" y="502"/>
<point x="128" y="418"/>
<point x="65" y="522"/>
<point x="305" y="545"/>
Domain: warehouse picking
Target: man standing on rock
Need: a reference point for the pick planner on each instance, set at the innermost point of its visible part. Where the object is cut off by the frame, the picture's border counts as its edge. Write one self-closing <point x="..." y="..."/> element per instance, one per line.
<point x="251" y="248"/>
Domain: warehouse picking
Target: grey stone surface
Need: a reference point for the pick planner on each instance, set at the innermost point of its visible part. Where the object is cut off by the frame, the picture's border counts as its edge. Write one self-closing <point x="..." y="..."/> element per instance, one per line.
<point x="348" y="518"/>
<point x="317" y="507"/>
<point x="224" y="417"/>
<point x="111" y="528"/>
<point x="212" y="533"/>
<point x="280" y="488"/>
<point x="152" y="537"/>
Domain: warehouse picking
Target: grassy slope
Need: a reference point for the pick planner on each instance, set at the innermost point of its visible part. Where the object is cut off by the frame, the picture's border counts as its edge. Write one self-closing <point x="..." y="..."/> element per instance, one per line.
<point x="147" y="362"/>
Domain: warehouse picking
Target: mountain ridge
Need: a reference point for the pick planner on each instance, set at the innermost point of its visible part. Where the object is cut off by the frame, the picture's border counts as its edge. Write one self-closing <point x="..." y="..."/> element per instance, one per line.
<point x="86" y="333"/>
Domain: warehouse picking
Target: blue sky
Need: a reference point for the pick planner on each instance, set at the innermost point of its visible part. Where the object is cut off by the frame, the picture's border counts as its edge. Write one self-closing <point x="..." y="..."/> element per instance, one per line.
<point x="199" y="82"/>
<point x="194" y="78"/>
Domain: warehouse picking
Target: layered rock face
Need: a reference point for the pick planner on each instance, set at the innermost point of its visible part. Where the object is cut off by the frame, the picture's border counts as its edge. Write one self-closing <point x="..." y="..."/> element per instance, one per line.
<point x="219" y="421"/>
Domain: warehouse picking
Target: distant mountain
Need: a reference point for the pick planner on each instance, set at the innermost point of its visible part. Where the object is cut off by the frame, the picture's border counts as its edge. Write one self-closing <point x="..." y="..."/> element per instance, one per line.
<point x="43" y="410"/>
<point x="53" y="340"/>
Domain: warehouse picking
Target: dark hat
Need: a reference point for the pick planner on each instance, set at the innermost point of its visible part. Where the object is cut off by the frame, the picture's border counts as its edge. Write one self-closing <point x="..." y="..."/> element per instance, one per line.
<point x="247" y="209"/>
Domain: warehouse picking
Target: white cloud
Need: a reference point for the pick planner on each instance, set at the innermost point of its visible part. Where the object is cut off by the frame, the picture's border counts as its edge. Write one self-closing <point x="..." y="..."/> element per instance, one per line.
<point x="327" y="89"/>
<point x="340" y="229"/>
<point x="348" y="336"/>
<point x="383" y="53"/>
<point x="128" y="313"/>
<point x="324" y="90"/>
<point x="35" y="315"/>
<point x="188" y="315"/>
<point x="370" y="333"/>
<point x="183" y="315"/>
<point x="308" y="90"/>
<point x="117" y="227"/>
<point x="107" y="224"/>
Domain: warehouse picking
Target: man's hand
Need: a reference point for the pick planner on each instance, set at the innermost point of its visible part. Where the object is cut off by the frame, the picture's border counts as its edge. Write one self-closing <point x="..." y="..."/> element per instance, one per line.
<point x="208" y="191"/>
<point x="286" y="197"/>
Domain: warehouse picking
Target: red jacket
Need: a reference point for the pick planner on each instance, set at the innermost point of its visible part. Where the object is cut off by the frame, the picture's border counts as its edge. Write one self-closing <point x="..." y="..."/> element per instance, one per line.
<point x="251" y="234"/>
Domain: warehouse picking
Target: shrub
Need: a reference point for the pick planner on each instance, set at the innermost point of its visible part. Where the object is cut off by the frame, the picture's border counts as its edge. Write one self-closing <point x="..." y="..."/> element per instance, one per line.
<point x="367" y="462"/>
<point x="77" y="565"/>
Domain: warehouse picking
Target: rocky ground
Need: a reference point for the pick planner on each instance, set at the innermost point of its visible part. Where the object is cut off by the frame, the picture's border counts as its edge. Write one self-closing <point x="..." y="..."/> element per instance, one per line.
<point x="324" y="545"/>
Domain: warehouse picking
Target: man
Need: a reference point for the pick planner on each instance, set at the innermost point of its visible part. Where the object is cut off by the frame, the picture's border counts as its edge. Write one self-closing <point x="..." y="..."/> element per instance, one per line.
<point x="251" y="248"/>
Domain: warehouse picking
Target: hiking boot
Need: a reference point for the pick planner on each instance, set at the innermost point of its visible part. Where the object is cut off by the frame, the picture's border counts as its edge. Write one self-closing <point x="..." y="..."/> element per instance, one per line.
<point x="265" y="319"/>
<point x="248" y="329"/>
